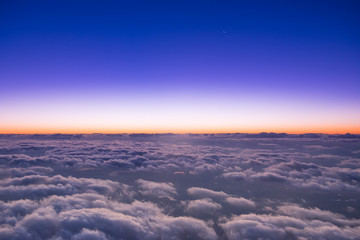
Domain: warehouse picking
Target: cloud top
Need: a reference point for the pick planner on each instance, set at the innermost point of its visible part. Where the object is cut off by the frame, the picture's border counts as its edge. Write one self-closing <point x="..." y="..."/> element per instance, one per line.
<point x="222" y="186"/>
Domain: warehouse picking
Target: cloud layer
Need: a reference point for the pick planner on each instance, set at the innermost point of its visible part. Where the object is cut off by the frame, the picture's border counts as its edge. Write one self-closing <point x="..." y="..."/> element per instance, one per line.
<point x="222" y="186"/>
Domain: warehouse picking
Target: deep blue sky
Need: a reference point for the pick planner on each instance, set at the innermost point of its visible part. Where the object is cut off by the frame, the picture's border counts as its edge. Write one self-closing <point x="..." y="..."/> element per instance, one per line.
<point x="285" y="50"/>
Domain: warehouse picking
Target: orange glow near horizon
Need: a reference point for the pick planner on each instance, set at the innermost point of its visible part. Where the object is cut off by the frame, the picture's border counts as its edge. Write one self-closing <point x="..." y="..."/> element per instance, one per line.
<point x="186" y="115"/>
<point x="39" y="130"/>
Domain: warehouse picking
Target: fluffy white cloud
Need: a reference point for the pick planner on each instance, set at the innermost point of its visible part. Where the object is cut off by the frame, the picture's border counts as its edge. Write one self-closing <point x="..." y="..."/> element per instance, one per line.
<point x="252" y="226"/>
<point x="138" y="220"/>
<point x="87" y="234"/>
<point x="202" y="207"/>
<point x="36" y="187"/>
<point x="199" y="192"/>
<point x="156" y="189"/>
<point x="240" y="202"/>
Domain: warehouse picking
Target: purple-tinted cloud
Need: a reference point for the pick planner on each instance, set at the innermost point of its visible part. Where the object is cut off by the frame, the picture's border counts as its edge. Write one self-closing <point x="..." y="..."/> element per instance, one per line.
<point x="179" y="187"/>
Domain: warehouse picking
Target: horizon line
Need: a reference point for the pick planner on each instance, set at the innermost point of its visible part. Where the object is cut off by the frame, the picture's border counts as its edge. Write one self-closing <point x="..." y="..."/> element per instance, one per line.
<point x="174" y="133"/>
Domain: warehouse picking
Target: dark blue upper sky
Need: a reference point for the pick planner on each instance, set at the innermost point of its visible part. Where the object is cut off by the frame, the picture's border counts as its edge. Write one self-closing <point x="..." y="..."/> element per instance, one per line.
<point x="301" y="49"/>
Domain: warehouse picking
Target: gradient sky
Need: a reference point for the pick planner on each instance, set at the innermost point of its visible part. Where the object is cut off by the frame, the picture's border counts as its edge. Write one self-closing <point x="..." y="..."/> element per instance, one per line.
<point x="179" y="66"/>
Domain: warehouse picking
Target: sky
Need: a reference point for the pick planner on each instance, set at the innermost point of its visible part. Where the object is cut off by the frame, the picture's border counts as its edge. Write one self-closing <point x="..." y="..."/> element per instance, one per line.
<point x="179" y="66"/>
